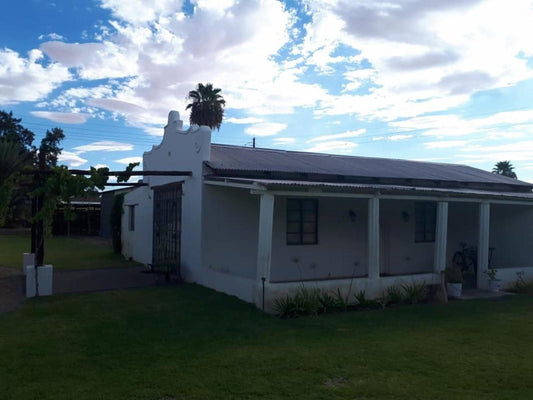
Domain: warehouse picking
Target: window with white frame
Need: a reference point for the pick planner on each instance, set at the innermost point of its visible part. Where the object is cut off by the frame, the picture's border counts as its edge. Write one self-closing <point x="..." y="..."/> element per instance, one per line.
<point x="302" y="221"/>
<point x="425" y="221"/>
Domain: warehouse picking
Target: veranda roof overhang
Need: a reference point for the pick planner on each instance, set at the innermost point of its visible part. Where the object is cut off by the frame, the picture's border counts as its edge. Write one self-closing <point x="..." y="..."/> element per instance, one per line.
<point x="333" y="189"/>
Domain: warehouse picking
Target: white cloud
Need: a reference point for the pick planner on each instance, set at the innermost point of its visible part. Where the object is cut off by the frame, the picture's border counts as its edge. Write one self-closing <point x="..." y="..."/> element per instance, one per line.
<point x="70" y="158"/>
<point x="129" y="160"/>
<point x="96" y="166"/>
<point x="105" y="145"/>
<point x="335" y="146"/>
<point x="421" y="56"/>
<point x="344" y="135"/>
<point x="247" y="120"/>
<point x="26" y="79"/>
<point x="265" y="129"/>
<point x="66" y="118"/>
<point x="446" y="144"/>
<point x="52" y="36"/>
<point x="399" y="137"/>
<point x="284" y="140"/>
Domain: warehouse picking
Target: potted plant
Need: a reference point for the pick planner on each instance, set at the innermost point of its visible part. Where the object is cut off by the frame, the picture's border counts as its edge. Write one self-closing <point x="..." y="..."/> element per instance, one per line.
<point x="454" y="282"/>
<point x="494" y="282"/>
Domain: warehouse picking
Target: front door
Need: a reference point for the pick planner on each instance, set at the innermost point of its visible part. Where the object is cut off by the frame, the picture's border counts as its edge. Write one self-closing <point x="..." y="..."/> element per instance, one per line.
<point x="167" y="229"/>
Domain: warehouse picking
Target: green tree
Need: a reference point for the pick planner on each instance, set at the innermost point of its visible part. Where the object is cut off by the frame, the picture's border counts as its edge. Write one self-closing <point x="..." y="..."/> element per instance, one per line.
<point x="207" y="107"/>
<point x="504" y="168"/>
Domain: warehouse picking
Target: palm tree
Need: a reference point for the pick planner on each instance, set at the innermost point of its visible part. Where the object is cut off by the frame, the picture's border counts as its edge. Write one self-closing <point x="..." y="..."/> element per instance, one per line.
<point x="504" y="168"/>
<point x="207" y="107"/>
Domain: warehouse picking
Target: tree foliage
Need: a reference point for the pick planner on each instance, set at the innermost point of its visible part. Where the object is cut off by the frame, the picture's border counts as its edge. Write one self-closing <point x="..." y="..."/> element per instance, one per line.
<point x="207" y="107"/>
<point x="504" y="168"/>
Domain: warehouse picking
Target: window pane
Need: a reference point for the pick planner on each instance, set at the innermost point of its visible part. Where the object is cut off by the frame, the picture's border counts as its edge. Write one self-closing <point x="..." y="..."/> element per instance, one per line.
<point x="293" y="227"/>
<point x="293" y="204"/>
<point x="309" y="216"/>
<point x="293" y="216"/>
<point x="309" y="238"/>
<point x="293" y="238"/>
<point x="308" y="227"/>
<point x="309" y="205"/>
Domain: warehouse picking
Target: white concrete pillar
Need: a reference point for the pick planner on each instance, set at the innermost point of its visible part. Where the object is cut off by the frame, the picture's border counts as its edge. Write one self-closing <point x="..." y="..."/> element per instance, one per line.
<point x="441" y="236"/>
<point x="483" y="245"/>
<point x="27" y="259"/>
<point x="373" y="238"/>
<point x="264" y="245"/>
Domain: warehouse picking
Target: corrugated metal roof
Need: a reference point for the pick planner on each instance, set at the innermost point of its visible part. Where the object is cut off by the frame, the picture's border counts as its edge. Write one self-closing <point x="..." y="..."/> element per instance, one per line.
<point x="292" y="185"/>
<point x="225" y="159"/>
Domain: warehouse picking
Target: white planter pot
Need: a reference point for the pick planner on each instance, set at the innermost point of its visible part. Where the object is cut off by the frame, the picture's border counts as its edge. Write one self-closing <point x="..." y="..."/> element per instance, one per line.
<point x="494" y="286"/>
<point x="44" y="280"/>
<point x="454" y="289"/>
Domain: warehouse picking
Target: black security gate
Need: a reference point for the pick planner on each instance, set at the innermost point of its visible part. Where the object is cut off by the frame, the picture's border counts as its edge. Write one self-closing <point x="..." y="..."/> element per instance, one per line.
<point x="167" y="229"/>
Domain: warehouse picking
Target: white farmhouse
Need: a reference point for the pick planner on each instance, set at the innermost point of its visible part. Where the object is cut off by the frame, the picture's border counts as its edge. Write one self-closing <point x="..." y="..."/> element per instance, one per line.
<point x="252" y="222"/>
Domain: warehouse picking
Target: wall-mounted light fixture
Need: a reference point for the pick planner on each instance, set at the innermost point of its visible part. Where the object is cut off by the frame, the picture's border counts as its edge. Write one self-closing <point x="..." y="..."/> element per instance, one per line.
<point x="405" y="216"/>
<point x="352" y="215"/>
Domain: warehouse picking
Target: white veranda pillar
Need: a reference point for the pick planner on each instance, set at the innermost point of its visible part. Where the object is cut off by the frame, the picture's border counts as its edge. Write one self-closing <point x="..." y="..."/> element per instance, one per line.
<point x="441" y="236"/>
<point x="264" y="245"/>
<point x="483" y="245"/>
<point x="373" y="238"/>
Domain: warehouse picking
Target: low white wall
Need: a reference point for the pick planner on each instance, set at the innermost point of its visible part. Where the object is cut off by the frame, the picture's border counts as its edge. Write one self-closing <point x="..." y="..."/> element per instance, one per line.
<point x="509" y="276"/>
<point x="137" y="244"/>
<point x="342" y="249"/>
<point x="230" y="231"/>
<point x="373" y="288"/>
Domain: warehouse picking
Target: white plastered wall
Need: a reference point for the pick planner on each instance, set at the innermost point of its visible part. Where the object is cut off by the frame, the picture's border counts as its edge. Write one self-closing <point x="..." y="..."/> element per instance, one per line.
<point x="230" y="231"/>
<point x="137" y="244"/>
<point x="342" y="249"/>
<point x="399" y="253"/>
<point x="181" y="150"/>
<point x="511" y="235"/>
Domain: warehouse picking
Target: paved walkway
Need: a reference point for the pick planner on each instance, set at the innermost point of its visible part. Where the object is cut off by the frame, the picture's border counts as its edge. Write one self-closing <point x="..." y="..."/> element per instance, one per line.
<point x="13" y="282"/>
<point x="92" y="280"/>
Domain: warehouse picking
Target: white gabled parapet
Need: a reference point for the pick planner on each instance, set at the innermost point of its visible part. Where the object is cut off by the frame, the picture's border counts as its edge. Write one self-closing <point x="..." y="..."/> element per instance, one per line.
<point x="179" y="150"/>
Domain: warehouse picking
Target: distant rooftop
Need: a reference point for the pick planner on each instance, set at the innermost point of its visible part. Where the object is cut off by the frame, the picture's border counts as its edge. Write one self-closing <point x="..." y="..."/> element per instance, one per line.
<point x="251" y="162"/>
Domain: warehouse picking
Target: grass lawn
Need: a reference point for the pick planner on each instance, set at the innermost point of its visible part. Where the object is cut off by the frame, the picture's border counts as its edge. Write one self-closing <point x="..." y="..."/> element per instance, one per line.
<point x="188" y="342"/>
<point x="62" y="252"/>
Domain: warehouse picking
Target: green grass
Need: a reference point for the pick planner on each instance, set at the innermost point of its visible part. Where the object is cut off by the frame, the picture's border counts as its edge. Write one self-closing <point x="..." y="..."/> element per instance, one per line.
<point x="62" y="252"/>
<point x="187" y="342"/>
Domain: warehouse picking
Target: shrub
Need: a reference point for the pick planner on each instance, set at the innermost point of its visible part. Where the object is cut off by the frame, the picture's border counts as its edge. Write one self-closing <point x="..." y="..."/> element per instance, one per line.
<point x="523" y="286"/>
<point x="415" y="292"/>
<point x="304" y="302"/>
<point x="363" y="301"/>
<point x="395" y="295"/>
<point x="327" y="301"/>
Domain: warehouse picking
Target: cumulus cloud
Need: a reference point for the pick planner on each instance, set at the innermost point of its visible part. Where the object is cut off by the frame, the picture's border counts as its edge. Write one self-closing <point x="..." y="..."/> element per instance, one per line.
<point x="26" y="78"/>
<point x="265" y="129"/>
<point x="421" y="56"/>
<point x="66" y="118"/>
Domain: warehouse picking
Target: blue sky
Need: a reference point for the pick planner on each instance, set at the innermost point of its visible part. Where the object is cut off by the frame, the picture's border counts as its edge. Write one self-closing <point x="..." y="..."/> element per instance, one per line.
<point x="420" y="79"/>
